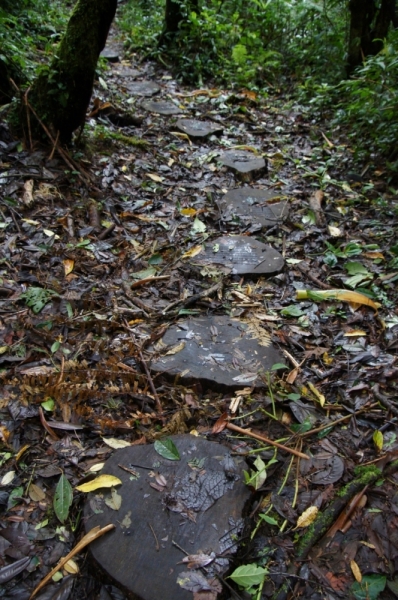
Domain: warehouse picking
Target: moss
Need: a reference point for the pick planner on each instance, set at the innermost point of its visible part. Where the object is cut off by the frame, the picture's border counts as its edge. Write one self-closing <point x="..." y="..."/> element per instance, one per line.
<point x="364" y="475"/>
<point x="120" y="137"/>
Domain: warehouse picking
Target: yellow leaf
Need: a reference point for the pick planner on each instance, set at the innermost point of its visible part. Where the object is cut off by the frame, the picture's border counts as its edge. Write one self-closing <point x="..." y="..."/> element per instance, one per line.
<point x="102" y="481"/>
<point x="68" y="265"/>
<point x="320" y="397"/>
<point x="343" y="295"/>
<point x="355" y="333"/>
<point x="378" y="440"/>
<point x="96" y="468"/>
<point x="192" y="252"/>
<point x="356" y="571"/>
<point x="328" y="360"/>
<point x="71" y="567"/>
<point x="7" y="478"/>
<point x="3" y="349"/>
<point x="307" y="517"/>
<point x="188" y="212"/>
<point x="155" y="177"/>
<point x="373" y="255"/>
<point x="116" y="444"/>
<point x="36" y="493"/>
<point x="176" y="349"/>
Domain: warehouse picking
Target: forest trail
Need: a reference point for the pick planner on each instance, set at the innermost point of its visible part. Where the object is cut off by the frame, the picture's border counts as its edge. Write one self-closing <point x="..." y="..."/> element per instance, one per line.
<point x="153" y="290"/>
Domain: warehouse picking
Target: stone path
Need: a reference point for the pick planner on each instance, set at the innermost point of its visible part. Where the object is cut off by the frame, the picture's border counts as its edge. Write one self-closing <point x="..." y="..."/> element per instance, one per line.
<point x="160" y="518"/>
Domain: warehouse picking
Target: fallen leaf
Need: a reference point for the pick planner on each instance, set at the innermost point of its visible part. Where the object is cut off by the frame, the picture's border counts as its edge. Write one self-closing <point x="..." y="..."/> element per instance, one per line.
<point x="114" y="501"/>
<point x="356" y="571"/>
<point x="106" y="481"/>
<point x="307" y="517"/>
<point x="71" y="567"/>
<point x="341" y="295"/>
<point x="116" y="444"/>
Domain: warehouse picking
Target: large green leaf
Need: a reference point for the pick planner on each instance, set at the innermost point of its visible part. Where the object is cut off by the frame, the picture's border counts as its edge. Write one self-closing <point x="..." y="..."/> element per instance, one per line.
<point x="369" y="588"/>
<point x="167" y="449"/>
<point x="63" y="498"/>
<point x="249" y="575"/>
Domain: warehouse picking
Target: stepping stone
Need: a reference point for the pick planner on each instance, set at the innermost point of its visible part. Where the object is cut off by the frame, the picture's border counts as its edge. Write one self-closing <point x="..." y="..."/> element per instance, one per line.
<point x="254" y="207"/>
<point x="199" y="508"/>
<point x="243" y="255"/>
<point x="217" y="351"/>
<point x="110" y="55"/>
<point x="198" y="129"/>
<point x="126" y="71"/>
<point x="143" y="88"/>
<point x="246" y="165"/>
<point x="161" y="107"/>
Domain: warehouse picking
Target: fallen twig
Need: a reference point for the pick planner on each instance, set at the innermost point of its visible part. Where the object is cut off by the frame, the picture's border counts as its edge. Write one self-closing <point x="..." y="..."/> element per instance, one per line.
<point x="262" y="438"/>
<point x="195" y="297"/>
<point x="154" y="392"/>
<point x="92" y="535"/>
<point x="384" y="400"/>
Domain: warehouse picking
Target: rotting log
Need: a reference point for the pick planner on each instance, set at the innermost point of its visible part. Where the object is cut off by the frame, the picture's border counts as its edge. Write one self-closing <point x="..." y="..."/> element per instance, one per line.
<point x="61" y="94"/>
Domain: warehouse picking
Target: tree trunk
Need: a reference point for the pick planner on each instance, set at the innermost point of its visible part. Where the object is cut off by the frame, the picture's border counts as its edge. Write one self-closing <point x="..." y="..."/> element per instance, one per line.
<point x="61" y="94"/>
<point x="369" y="26"/>
<point x="175" y="14"/>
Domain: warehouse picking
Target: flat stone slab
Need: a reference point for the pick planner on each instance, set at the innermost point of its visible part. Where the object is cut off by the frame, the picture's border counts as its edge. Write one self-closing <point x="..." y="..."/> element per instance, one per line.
<point x="126" y="72"/>
<point x="246" y="165"/>
<point x="253" y="207"/>
<point x="195" y="502"/>
<point x="243" y="255"/>
<point x="161" y="107"/>
<point x="110" y="55"/>
<point x="143" y="88"/>
<point x="198" y="129"/>
<point x="217" y="351"/>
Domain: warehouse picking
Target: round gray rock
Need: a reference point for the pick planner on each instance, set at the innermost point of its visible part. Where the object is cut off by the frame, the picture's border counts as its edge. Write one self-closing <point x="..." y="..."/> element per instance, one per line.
<point x="161" y="107"/>
<point x="143" y="88"/>
<point x="217" y="351"/>
<point x="198" y="129"/>
<point x="243" y="255"/>
<point x="163" y="508"/>
<point x="246" y="165"/>
<point x="253" y="207"/>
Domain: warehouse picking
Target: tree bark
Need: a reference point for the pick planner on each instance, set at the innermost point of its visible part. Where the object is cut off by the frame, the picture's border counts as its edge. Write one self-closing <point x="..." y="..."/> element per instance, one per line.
<point x="369" y="26"/>
<point x="175" y="14"/>
<point x="61" y="94"/>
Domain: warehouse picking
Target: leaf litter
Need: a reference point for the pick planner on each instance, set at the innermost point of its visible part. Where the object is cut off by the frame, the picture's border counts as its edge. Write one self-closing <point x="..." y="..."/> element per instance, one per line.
<point x="93" y="274"/>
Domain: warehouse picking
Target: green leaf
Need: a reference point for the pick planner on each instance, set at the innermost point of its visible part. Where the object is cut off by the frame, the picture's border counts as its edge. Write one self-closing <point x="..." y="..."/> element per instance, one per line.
<point x="378" y="440"/>
<point x="198" y="226"/>
<point x="49" y="404"/>
<point x="167" y="449"/>
<point x="248" y="575"/>
<point x="55" y="346"/>
<point x="63" y="498"/>
<point x="292" y="311"/>
<point x="15" y="497"/>
<point x="278" y="367"/>
<point x="369" y="588"/>
<point x="268" y="519"/>
<point x="293" y="397"/>
<point x="355" y="267"/>
<point x="155" y="259"/>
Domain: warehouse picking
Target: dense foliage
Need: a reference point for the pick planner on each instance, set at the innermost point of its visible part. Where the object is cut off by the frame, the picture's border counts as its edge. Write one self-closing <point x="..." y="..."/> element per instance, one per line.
<point x="297" y="47"/>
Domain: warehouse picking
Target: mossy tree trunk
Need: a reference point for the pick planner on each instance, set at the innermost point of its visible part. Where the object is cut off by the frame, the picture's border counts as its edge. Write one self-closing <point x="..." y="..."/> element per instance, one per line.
<point x="369" y="25"/>
<point x="175" y="14"/>
<point x="61" y="95"/>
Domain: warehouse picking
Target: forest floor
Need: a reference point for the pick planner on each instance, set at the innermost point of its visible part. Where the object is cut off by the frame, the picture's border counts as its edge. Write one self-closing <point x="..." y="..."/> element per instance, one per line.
<point x="100" y="256"/>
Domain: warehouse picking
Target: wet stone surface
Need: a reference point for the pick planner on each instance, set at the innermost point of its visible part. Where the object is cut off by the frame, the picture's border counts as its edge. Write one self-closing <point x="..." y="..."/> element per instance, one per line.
<point x="143" y="88"/>
<point x="196" y="502"/>
<point x="110" y="54"/>
<point x="246" y="165"/>
<point x="242" y="255"/>
<point x="218" y="351"/>
<point x="161" y="107"/>
<point x="260" y="208"/>
<point x="198" y="129"/>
